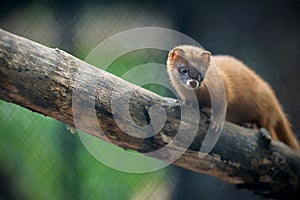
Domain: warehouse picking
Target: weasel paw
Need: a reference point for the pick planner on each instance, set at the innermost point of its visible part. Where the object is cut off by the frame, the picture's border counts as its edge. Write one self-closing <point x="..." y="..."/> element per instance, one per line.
<point x="250" y="125"/>
<point x="216" y="125"/>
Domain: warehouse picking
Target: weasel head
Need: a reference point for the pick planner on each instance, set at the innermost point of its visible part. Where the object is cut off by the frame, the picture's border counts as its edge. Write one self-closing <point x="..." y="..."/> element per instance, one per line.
<point x="187" y="65"/>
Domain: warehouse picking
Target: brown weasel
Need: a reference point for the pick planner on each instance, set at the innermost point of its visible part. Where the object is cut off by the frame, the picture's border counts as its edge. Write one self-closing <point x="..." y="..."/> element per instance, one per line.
<point x="250" y="100"/>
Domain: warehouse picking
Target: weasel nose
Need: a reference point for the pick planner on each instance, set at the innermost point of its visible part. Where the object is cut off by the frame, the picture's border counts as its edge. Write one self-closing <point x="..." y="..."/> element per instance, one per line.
<point x="193" y="84"/>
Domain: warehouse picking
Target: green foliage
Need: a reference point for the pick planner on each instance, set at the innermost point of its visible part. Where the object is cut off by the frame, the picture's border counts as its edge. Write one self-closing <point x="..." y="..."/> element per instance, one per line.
<point x="43" y="160"/>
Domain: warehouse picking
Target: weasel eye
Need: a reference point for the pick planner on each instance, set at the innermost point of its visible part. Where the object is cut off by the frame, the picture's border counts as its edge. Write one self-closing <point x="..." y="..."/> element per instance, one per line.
<point x="183" y="69"/>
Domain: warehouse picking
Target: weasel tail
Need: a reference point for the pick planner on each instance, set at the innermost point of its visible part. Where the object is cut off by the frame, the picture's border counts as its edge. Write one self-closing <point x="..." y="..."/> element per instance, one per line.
<point x="284" y="132"/>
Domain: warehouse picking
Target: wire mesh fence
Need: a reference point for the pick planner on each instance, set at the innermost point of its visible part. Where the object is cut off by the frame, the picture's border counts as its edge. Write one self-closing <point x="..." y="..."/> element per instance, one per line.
<point x="39" y="157"/>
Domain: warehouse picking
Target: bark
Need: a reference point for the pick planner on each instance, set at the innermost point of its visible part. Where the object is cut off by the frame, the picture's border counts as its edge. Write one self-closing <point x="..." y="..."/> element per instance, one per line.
<point x="48" y="81"/>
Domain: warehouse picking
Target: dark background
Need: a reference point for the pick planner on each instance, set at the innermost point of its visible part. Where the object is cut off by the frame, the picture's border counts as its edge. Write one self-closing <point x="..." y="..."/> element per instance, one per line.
<point x="263" y="34"/>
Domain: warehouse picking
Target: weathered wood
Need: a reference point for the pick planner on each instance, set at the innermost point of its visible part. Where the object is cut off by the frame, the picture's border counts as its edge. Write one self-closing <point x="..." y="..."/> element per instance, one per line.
<point x="44" y="79"/>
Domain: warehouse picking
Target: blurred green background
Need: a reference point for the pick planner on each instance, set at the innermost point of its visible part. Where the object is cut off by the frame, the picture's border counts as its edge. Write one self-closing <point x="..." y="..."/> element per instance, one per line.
<point x="40" y="159"/>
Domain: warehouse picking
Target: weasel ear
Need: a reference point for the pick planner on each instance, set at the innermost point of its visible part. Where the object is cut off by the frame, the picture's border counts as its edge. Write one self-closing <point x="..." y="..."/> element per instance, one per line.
<point x="205" y="56"/>
<point x="176" y="53"/>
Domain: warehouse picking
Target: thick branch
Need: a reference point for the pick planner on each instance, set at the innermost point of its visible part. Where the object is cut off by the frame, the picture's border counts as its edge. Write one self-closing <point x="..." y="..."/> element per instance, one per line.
<point x="44" y="80"/>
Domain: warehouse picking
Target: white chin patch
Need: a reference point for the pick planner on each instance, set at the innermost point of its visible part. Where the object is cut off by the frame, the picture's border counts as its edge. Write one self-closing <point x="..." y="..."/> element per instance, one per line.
<point x="191" y="84"/>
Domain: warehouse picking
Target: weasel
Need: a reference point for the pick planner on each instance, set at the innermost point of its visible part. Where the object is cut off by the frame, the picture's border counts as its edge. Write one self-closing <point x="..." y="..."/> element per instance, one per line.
<point x="250" y="99"/>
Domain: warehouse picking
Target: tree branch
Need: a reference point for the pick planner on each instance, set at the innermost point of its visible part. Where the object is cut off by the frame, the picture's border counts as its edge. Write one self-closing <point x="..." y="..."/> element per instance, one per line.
<point x="44" y="79"/>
